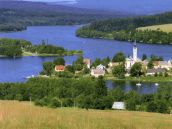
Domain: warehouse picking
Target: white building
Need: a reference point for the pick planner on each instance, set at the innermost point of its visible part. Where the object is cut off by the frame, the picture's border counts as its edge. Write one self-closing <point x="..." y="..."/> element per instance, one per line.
<point x="132" y="60"/>
<point x="118" y="105"/>
<point x="101" y="67"/>
<point x="97" y="72"/>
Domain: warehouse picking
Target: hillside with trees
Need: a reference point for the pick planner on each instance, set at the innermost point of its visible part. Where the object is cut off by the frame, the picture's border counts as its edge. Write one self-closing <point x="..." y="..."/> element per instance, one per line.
<point x="17" y="15"/>
<point x="125" y="29"/>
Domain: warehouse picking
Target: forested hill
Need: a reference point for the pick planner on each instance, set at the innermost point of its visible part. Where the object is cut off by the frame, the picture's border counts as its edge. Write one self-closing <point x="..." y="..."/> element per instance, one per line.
<point x="125" y="29"/>
<point x="17" y="15"/>
<point x="131" y="23"/>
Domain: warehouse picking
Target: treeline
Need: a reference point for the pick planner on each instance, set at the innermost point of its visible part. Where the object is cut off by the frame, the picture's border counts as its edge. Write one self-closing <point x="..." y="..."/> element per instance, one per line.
<point x="146" y="36"/>
<point x="126" y="29"/>
<point x="85" y="93"/>
<point x="130" y="24"/>
<point x="44" y="48"/>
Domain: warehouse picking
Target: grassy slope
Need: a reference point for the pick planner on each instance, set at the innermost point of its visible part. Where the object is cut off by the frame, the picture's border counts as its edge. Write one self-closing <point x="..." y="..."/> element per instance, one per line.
<point x="165" y="27"/>
<point x="16" y="115"/>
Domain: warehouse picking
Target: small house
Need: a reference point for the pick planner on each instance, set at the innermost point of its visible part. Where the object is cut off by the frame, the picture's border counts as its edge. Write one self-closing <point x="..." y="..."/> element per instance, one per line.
<point x="151" y="72"/>
<point x="87" y="62"/>
<point x="97" y="72"/>
<point x="59" y="68"/>
<point x="162" y="64"/>
<point x="113" y="64"/>
<point x="118" y="106"/>
<point x="101" y="67"/>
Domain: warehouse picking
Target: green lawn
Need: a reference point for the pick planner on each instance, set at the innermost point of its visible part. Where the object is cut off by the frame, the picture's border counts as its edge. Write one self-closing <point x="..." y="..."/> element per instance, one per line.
<point x="24" y="115"/>
<point x="165" y="27"/>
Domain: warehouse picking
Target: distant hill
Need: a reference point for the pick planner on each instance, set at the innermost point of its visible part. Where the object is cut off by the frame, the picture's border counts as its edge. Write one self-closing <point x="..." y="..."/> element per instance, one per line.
<point x="16" y="15"/>
<point x="42" y="7"/>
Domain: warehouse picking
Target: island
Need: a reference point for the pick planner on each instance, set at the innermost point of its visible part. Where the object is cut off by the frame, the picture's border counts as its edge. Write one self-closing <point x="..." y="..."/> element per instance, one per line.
<point x="19" y="48"/>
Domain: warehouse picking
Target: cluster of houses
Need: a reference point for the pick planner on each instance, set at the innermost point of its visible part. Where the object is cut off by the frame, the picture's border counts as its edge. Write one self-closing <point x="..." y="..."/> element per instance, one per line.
<point x="158" y="66"/>
<point x="100" y="70"/>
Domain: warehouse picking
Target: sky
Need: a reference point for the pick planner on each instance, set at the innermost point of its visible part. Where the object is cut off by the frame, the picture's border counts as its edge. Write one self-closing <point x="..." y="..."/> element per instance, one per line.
<point x="135" y="6"/>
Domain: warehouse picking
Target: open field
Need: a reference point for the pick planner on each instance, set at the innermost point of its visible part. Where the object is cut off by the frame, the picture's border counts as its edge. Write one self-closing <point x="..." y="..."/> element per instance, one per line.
<point x="23" y="115"/>
<point x="165" y="27"/>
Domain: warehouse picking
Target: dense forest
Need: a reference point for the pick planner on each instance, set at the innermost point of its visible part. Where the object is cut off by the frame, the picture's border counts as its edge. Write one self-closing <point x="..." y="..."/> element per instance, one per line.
<point x="86" y="93"/>
<point x="16" y="48"/>
<point x="17" y="15"/>
<point x="125" y="29"/>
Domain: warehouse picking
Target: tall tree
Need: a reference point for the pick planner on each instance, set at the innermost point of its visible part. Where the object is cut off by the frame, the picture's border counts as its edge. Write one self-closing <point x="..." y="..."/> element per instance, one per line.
<point x="59" y="61"/>
<point x="48" y="68"/>
<point x="119" y="57"/>
<point x="119" y="71"/>
<point x="136" y="70"/>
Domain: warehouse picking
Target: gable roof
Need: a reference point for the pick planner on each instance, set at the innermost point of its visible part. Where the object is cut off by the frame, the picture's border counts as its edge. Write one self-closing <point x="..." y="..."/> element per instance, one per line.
<point x="98" y="71"/>
<point x="159" y="70"/>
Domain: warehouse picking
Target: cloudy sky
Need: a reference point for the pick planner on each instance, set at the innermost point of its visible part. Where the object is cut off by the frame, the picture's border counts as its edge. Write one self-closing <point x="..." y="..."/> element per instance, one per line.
<point x="147" y="6"/>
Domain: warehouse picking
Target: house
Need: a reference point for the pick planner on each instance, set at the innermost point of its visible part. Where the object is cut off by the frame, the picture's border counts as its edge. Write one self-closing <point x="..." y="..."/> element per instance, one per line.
<point x="101" y="67"/>
<point x="165" y="64"/>
<point x="87" y="62"/>
<point x="156" y="64"/>
<point x="151" y="72"/>
<point x="118" y="105"/>
<point x="59" y="68"/>
<point x="113" y="64"/>
<point x="162" y="64"/>
<point x="97" y="72"/>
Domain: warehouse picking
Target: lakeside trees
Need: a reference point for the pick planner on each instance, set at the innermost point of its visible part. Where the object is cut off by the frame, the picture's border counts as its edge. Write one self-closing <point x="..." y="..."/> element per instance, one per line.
<point x="136" y="70"/>
<point x="84" y="93"/>
<point x="12" y="47"/>
<point x="16" y="48"/>
<point x="119" y="71"/>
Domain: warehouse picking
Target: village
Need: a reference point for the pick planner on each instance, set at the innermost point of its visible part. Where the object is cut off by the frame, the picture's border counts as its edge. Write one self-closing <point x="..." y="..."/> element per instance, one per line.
<point x="149" y="67"/>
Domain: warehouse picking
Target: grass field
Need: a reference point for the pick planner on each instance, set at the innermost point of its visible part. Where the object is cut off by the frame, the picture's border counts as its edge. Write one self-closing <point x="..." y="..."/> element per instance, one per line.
<point x="23" y="115"/>
<point x="165" y="27"/>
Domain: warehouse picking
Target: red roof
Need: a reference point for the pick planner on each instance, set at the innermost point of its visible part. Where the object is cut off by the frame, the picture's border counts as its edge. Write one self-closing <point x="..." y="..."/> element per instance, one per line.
<point x="86" y="61"/>
<point x="155" y="63"/>
<point x="59" y="68"/>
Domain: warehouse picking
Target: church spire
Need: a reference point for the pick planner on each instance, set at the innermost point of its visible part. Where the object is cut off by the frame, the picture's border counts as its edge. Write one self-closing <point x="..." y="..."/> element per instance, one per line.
<point x="135" y="51"/>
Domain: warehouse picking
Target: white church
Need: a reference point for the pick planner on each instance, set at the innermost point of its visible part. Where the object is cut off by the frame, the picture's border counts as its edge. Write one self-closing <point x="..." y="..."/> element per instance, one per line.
<point x="132" y="59"/>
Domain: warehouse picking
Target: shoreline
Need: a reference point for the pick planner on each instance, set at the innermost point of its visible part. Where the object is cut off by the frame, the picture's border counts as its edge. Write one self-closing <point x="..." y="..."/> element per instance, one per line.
<point x="142" y="79"/>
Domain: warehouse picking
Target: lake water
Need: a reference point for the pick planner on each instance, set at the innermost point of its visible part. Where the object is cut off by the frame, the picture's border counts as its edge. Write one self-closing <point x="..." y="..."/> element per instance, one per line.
<point x="15" y="70"/>
<point x="146" y="88"/>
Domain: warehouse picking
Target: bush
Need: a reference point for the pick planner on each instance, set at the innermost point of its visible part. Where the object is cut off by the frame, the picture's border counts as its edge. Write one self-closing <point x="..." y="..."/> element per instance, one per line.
<point x="130" y="105"/>
<point x="54" y="102"/>
<point x="151" y="106"/>
<point x="68" y="102"/>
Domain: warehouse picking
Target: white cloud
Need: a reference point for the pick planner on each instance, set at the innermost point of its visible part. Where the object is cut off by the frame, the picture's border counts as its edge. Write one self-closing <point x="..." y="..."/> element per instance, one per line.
<point x="57" y="1"/>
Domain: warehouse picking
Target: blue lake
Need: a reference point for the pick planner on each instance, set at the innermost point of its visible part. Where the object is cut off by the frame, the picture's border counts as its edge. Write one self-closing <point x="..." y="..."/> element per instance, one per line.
<point x="15" y="70"/>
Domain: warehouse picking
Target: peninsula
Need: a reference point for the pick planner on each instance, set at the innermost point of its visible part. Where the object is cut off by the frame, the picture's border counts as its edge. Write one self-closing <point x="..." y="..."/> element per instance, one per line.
<point x="18" y="48"/>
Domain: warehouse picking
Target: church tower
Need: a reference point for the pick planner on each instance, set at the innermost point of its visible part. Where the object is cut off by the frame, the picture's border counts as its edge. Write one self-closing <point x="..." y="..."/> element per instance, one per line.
<point x="135" y="51"/>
